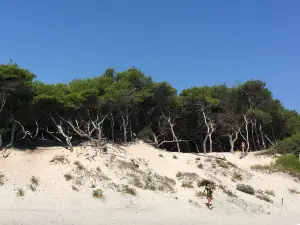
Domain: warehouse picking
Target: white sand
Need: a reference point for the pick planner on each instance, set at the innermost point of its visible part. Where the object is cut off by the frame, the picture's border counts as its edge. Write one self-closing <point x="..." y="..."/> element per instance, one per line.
<point x="54" y="201"/>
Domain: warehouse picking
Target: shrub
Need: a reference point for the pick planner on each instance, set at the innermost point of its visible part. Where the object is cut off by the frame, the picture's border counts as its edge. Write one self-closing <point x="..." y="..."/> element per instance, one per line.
<point x="20" y="192"/>
<point x="200" y="166"/>
<point x="237" y="176"/>
<point x="270" y="192"/>
<point x="204" y="182"/>
<point x="2" y="179"/>
<point x="293" y="191"/>
<point x="197" y="159"/>
<point x="264" y="197"/>
<point x="246" y="189"/>
<point x="187" y="184"/>
<point x="59" y="159"/>
<point x="231" y="164"/>
<point x="222" y="163"/>
<point x="128" y="190"/>
<point x="34" y="181"/>
<point x="161" y="155"/>
<point x="175" y="157"/>
<point x="263" y="168"/>
<point x="32" y="187"/>
<point x="74" y="188"/>
<point x="200" y="194"/>
<point x="68" y="176"/>
<point x="226" y="191"/>
<point x="98" y="193"/>
<point x="288" y="163"/>
<point x="79" y="165"/>
<point x="289" y="145"/>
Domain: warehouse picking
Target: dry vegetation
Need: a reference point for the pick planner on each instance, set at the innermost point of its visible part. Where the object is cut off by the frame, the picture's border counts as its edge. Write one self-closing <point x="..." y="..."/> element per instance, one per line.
<point x="227" y="191"/>
<point x="294" y="191"/>
<point x="59" y="159"/>
<point x="2" y="179"/>
<point x="236" y="176"/>
<point x="20" y="192"/>
<point x="222" y="164"/>
<point x="98" y="193"/>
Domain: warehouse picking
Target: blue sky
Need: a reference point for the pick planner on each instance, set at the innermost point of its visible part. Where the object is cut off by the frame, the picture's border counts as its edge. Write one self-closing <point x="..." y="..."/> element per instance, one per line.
<point x="186" y="43"/>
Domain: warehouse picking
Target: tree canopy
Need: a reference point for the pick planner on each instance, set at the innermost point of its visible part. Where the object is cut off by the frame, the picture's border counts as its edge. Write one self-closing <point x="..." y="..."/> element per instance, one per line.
<point x="120" y="106"/>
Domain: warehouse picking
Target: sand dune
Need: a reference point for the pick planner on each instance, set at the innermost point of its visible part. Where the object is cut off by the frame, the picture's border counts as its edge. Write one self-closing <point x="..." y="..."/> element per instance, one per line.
<point x="158" y="199"/>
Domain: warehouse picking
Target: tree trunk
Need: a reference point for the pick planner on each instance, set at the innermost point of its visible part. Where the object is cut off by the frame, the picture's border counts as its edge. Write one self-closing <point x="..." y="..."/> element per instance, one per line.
<point x="12" y="134"/>
<point x="231" y="141"/>
<point x="247" y="132"/>
<point x="262" y="136"/>
<point x="174" y="136"/>
<point x="112" y="124"/>
<point x="252" y="135"/>
<point x="197" y="148"/>
<point x="207" y="132"/>
<point x="60" y="130"/>
<point x="204" y="143"/>
<point x="257" y="136"/>
<point x="0" y="142"/>
<point x="210" y="142"/>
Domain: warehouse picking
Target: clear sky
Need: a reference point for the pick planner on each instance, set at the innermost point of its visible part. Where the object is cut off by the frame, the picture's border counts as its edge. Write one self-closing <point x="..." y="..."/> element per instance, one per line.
<point x="186" y="43"/>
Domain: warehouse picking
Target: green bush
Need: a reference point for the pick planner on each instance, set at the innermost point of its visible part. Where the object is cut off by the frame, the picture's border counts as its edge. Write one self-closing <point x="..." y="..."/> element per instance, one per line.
<point x="246" y="189"/>
<point x="288" y="163"/>
<point x="289" y="145"/>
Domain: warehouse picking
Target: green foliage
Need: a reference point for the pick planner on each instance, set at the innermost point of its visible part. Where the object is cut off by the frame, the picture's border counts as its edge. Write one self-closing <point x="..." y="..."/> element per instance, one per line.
<point x="289" y="145"/>
<point x="288" y="163"/>
<point x="248" y="189"/>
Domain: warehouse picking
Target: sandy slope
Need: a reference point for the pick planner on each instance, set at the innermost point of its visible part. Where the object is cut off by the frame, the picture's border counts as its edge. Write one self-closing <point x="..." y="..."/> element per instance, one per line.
<point x="55" y="202"/>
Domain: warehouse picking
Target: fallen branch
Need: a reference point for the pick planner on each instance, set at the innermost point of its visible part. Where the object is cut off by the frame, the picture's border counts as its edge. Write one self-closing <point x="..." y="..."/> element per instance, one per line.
<point x="172" y="142"/>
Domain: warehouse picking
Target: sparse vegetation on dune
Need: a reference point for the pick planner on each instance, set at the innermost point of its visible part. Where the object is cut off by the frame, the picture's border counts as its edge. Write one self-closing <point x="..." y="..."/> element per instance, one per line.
<point x="204" y="182"/>
<point x="194" y="203"/>
<point x="34" y="183"/>
<point x="200" y="166"/>
<point x="59" y="159"/>
<point x="236" y="176"/>
<point x="175" y="157"/>
<point x="294" y="191"/>
<point x="187" y="184"/>
<point x="248" y="189"/>
<point x="227" y="191"/>
<point x="222" y="164"/>
<point x="98" y="193"/>
<point x="2" y="179"/>
<point x="152" y="181"/>
<point x="79" y="165"/>
<point x="68" y="176"/>
<point x="20" y="192"/>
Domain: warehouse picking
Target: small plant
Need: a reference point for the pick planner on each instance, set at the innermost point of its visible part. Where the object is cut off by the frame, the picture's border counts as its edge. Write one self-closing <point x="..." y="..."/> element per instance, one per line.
<point x="237" y="176"/>
<point x="175" y="157"/>
<point x="246" y="189"/>
<point x="270" y="192"/>
<point x="213" y="165"/>
<point x="231" y="164"/>
<point x="222" y="164"/>
<point x="187" y="184"/>
<point x="259" y="191"/>
<point x="20" y="192"/>
<point x="32" y="187"/>
<point x="269" y="168"/>
<point x="68" y="176"/>
<point x="2" y="179"/>
<point x="34" y="181"/>
<point x="264" y="197"/>
<point x="59" y="159"/>
<point x="226" y="191"/>
<point x="200" y="166"/>
<point x="74" y="188"/>
<point x="204" y="182"/>
<point x="294" y="191"/>
<point x="200" y="194"/>
<point x="129" y="190"/>
<point x="179" y="174"/>
<point x="197" y="159"/>
<point x="93" y="186"/>
<point x="98" y="193"/>
<point x="79" y="165"/>
<point x="161" y="155"/>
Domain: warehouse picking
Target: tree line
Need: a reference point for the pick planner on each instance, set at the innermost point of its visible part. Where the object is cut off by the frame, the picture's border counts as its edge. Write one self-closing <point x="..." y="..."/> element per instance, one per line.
<point x="124" y="106"/>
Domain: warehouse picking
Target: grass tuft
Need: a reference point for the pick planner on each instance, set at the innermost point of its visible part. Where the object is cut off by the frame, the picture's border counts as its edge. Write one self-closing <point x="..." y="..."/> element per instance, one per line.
<point x="204" y="182"/>
<point x="222" y="164"/>
<point x="175" y="157"/>
<point x="68" y="176"/>
<point x="2" y="179"/>
<point x="187" y="184"/>
<point x="98" y="193"/>
<point x="236" y="176"/>
<point x="294" y="191"/>
<point x="20" y="192"/>
<point x="227" y="191"/>
<point x="200" y="166"/>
